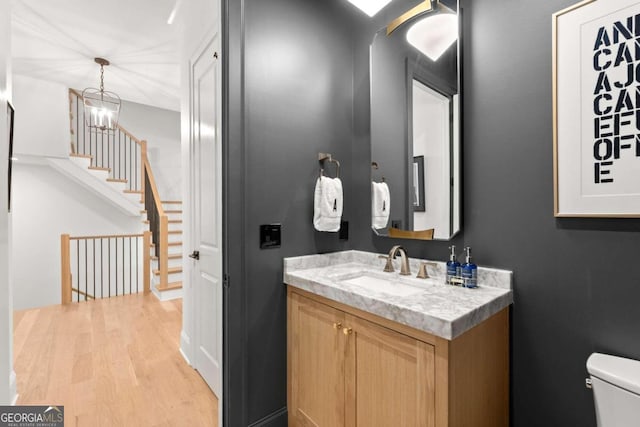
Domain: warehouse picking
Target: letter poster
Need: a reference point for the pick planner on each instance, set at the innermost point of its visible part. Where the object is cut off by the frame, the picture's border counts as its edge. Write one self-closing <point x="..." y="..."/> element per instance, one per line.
<point x="597" y="109"/>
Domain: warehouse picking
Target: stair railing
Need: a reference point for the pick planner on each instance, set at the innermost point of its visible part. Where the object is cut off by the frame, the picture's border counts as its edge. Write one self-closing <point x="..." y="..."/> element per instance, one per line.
<point x="103" y="266"/>
<point x="158" y="223"/>
<point x="117" y="151"/>
<point x="125" y="156"/>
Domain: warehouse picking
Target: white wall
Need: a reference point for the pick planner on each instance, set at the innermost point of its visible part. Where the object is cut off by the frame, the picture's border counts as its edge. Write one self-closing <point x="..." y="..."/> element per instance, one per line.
<point x="45" y="205"/>
<point x="7" y="376"/>
<point x="161" y="129"/>
<point x="48" y="102"/>
<point x="42" y="117"/>
<point x="431" y="140"/>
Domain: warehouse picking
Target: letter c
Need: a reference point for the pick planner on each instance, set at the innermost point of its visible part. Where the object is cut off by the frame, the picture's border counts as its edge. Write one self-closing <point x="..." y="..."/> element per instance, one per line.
<point x="597" y="107"/>
<point x="596" y="60"/>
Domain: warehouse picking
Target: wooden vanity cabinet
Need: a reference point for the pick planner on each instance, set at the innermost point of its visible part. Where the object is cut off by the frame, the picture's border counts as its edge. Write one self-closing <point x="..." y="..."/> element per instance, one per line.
<point x="347" y="367"/>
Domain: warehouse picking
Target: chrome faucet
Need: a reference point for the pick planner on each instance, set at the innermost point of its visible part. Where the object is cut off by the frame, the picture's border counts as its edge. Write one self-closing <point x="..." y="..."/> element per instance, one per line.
<point x="405" y="270"/>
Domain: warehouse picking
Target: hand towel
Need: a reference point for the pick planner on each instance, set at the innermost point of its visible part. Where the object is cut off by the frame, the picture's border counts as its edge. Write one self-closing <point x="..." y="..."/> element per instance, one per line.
<point x="327" y="204"/>
<point x="380" y="204"/>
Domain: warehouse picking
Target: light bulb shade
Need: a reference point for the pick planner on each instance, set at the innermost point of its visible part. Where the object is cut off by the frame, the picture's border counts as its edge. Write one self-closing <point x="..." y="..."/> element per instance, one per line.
<point x="434" y="34"/>
<point x="101" y="109"/>
<point x="370" y="7"/>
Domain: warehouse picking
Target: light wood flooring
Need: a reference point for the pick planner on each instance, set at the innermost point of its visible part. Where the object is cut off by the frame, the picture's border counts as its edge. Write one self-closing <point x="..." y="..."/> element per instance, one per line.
<point x="110" y="362"/>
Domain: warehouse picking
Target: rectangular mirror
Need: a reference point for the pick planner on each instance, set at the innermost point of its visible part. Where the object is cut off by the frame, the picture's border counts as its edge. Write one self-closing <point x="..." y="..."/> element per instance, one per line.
<point x="415" y="123"/>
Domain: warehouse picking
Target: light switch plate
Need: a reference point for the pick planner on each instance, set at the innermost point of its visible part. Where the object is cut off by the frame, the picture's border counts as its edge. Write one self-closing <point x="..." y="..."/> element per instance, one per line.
<point x="270" y="236"/>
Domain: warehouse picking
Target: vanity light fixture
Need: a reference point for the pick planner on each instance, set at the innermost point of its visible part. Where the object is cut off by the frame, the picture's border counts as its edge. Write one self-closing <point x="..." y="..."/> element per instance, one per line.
<point x="370" y="7"/>
<point x="434" y="32"/>
<point x="101" y="108"/>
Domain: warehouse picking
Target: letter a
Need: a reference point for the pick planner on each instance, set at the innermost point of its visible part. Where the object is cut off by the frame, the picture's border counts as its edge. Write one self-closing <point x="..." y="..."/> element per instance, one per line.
<point x="602" y="38"/>
<point x="603" y="83"/>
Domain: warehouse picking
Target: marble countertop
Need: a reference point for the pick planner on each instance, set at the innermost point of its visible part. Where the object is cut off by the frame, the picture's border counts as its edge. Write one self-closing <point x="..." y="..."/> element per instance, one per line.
<point x="437" y="308"/>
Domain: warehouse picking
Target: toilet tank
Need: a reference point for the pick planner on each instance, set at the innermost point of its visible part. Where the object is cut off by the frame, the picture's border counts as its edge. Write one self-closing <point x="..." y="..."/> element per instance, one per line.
<point x="616" y="390"/>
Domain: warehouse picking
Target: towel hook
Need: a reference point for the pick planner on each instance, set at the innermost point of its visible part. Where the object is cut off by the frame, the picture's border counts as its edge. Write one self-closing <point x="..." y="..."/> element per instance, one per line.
<point x="322" y="157"/>
<point x="374" y="166"/>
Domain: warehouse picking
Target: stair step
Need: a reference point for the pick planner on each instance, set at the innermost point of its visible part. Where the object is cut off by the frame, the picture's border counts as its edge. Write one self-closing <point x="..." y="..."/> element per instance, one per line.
<point x="171" y="211"/>
<point x="172" y="270"/>
<point x="143" y="212"/>
<point x="172" y="202"/>
<point x="133" y="191"/>
<point x="98" y="168"/>
<point x="175" y="221"/>
<point x="175" y="232"/>
<point x="146" y="221"/>
<point x="153" y="245"/>
<point x="124" y="181"/>
<point x="169" y="286"/>
<point x="171" y="256"/>
<point x="83" y="156"/>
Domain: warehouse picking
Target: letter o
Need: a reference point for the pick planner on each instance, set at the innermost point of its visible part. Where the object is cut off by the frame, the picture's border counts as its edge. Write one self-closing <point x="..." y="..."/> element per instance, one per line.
<point x="608" y="147"/>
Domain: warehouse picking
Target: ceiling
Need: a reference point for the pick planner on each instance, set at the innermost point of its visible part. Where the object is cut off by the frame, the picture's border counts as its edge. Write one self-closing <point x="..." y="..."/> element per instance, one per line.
<point x="57" y="41"/>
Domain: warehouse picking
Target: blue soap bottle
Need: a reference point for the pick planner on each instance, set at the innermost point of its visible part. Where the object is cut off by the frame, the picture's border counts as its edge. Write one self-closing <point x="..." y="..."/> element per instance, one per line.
<point x="453" y="266"/>
<point x="469" y="270"/>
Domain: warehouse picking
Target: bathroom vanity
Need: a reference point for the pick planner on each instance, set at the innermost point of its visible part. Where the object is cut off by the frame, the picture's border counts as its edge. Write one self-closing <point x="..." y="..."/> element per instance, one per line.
<point x="368" y="348"/>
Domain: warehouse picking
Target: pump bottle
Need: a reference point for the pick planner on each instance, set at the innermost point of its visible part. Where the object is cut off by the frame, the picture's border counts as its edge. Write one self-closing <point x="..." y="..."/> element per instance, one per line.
<point x="469" y="270"/>
<point x="453" y="266"/>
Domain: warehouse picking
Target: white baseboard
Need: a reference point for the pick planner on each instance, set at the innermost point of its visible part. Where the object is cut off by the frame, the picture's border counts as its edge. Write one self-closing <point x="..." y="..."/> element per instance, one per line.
<point x="13" y="390"/>
<point x="185" y="346"/>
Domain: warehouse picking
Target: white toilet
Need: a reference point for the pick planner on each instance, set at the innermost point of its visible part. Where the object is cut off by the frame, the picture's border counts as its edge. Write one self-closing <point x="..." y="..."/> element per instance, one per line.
<point x="616" y="390"/>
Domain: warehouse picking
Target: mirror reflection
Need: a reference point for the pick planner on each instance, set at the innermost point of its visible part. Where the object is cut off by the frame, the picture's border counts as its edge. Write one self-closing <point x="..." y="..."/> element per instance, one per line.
<point x="415" y="124"/>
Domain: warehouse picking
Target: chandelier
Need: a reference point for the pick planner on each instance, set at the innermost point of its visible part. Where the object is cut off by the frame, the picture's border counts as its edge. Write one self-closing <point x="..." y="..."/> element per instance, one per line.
<point x="101" y="108"/>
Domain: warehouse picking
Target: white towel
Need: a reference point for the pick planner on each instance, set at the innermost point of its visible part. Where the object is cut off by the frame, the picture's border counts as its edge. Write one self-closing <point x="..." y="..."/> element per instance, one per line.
<point x="327" y="204"/>
<point x="380" y="204"/>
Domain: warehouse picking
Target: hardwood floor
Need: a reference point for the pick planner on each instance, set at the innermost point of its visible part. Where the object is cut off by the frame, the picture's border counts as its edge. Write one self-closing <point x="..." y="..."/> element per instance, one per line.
<point x="110" y="362"/>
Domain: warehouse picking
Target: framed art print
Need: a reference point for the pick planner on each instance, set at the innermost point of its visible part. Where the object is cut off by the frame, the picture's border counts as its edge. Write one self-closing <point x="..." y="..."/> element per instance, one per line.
<point x="596" y="109"/>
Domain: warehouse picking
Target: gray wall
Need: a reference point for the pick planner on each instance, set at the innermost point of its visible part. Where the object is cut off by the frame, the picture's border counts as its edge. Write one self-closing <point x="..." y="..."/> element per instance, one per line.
<point x="575" y="284"/>
<point x="305" y="89"/>
<point x="293" y="101"/>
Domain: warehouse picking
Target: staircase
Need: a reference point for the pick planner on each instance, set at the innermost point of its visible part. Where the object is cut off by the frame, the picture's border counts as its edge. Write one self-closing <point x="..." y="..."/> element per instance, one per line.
<point x="173" y="288"/>
<point x="117" y="163"/>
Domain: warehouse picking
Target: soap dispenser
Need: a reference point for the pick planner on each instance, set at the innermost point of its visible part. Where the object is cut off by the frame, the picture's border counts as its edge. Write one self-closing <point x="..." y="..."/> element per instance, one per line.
<point x="469" y="270"/>
<point x="453" y="266"/>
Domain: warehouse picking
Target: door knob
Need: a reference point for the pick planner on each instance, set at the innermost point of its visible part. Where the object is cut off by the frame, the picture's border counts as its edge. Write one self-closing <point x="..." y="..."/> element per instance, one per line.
<point x="337" y="325"/>
<point x="195" y="255"/>
<point x="347" y="331"/>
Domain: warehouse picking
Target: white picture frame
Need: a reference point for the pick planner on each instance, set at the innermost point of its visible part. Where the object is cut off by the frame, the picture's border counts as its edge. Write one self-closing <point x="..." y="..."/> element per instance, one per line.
<point x="596" y="123"/>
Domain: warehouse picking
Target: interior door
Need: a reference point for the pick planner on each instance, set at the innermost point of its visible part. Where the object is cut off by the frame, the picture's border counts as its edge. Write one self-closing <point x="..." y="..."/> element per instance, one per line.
<point x="206" y="210"/>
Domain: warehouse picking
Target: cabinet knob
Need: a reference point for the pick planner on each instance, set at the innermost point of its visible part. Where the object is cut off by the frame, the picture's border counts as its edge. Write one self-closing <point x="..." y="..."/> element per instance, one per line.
<point x="337" y="325"/>
<point x="347" y="331"/>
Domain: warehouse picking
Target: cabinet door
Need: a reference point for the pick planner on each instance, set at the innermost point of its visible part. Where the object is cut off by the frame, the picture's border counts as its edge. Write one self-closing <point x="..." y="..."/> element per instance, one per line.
<point x="316" y="370"/>
<point x="390" y="377"/>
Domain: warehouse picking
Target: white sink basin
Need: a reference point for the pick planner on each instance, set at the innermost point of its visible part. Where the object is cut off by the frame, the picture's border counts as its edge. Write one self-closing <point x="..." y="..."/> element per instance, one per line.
<point x="377" y="284"/>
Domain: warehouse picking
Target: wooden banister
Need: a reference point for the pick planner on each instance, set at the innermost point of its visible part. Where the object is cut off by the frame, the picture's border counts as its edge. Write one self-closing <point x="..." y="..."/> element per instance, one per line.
<point x="75" y="92"/>
<point x="154" y="188"/>
<point x="143" y="165"/>
<point x="146" y="268"/>
<point x="65" y="269"/>
<point x="105" y="236"/>
<point x="163" y="256"/>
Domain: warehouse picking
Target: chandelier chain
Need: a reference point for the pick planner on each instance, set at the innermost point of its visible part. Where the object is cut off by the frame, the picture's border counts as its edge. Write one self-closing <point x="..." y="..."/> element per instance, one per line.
<point x="101" y="78"/>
